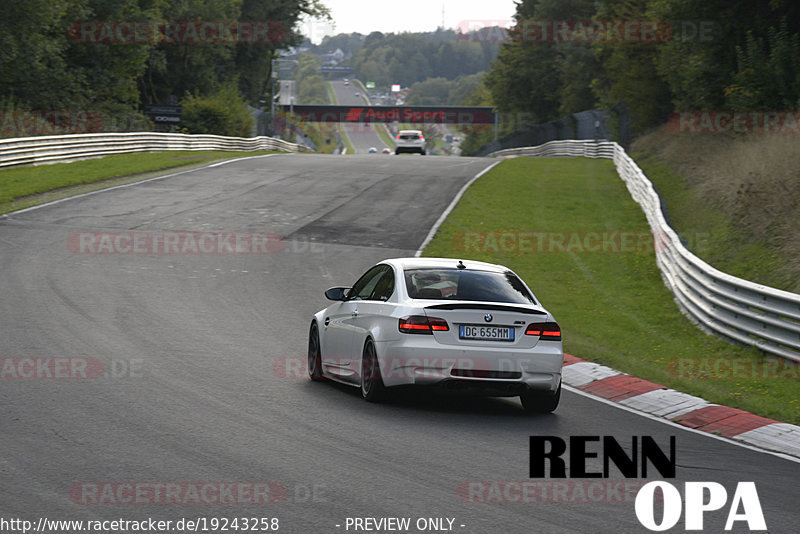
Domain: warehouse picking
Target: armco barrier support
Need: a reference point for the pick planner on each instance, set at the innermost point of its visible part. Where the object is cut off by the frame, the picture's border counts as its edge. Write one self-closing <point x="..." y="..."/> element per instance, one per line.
<point x="731" y="307"/>
<point x="52" y="148"/>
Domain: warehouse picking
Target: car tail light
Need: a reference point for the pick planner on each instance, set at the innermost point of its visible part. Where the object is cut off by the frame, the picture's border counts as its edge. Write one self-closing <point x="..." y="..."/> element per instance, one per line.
<point x="398" y="136"/>
<point x="420" y="324"/>
<point x="545" y="331"/>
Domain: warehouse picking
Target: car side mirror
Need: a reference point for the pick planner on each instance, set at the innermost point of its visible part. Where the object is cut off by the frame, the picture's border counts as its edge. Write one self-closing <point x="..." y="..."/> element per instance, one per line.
<point x="337" y="293"/>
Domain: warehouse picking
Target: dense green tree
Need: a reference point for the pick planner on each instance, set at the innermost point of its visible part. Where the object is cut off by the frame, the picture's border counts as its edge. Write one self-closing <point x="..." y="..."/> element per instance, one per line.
<point x="84" y="54"/>
<point x="222" y="113"/>
<point x="431" y="92"/>
<point x="310" y="84"/>
<point x="34" y="73"/>
<point x="538" y="74"/>
<point x="707" y="54"/>
<point x="253" y="61"/>
<point x="408" y="58"/>
<point x="631" y="67"/>
<point x="346" y="42"/>
<point x="768" y="74"/>
<point x="108" y="73"/>
<point x="719" y="47"/>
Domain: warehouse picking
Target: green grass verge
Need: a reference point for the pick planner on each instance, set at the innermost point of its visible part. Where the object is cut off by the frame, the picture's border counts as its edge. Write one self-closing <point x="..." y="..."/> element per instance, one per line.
<point x="612" y="306"/>
<point x="22" y="187"/>
<point x="363" y="92"/>
<point x="382" y="132"/>
<point x="331" y="93"/>
<point x="345" y="139"/>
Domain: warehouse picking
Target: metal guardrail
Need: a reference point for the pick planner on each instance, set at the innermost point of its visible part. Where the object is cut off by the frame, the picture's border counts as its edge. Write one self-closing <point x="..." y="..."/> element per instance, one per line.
<point x="51" y="148"/>
<point x="731" y="307"/>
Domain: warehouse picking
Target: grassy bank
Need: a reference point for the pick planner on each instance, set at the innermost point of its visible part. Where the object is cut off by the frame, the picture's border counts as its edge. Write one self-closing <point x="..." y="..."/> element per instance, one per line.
<point x="736" y="200"/>
<point x="349" y="148"/>
<point x="22" y="187"/>
<point x="571" y="230"/>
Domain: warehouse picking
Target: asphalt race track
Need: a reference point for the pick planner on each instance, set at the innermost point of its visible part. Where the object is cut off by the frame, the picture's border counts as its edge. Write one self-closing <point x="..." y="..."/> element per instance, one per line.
<point x="362" y="135"/>
<point x="204" y="355"/>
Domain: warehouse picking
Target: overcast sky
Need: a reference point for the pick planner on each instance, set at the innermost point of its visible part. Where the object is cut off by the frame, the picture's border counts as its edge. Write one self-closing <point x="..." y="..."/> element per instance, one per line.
<point x="365" y="16"/>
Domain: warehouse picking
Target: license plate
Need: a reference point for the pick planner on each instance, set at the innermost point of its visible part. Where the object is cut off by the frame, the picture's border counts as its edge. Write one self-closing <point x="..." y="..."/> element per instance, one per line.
<point x="489" y="333"/>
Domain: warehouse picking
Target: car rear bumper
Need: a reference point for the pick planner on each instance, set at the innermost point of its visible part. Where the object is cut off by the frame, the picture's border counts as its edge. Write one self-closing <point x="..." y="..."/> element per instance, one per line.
<point x="410" y="149"/>
<point x="496" y="370"/>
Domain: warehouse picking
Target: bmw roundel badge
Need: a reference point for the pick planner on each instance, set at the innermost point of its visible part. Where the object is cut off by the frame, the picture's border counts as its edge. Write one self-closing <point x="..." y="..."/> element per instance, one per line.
<point x="488" y="317"/>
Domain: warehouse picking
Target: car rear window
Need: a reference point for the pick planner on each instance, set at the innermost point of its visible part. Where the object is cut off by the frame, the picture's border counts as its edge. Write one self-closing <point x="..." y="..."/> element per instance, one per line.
<point x="409" y="136"/>
<point x="466" y="284"/>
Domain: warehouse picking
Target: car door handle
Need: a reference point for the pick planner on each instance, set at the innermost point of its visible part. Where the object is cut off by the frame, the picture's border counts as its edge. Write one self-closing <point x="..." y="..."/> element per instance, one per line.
<point x="355" y="313"/>
<point x="327" y="321"/>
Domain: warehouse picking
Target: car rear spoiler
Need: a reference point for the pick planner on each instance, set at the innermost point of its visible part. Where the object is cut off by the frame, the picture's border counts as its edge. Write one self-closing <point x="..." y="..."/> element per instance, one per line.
<point x="484" y="306"/>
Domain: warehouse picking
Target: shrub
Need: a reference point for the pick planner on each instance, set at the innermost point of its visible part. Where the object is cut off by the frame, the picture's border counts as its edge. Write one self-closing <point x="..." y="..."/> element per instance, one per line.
<point x="223" y="113"/>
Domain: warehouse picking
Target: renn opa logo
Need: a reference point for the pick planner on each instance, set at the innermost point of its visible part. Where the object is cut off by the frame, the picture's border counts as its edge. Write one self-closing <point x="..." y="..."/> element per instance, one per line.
<point x="698" y="498"/>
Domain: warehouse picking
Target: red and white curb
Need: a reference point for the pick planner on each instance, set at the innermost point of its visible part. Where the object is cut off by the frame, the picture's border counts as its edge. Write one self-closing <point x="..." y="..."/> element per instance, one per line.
<point x="687" y="410"/>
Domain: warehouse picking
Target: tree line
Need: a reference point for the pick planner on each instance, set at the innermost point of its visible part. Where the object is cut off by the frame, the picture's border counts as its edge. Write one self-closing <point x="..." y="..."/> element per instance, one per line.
<point x="111" y="57"/>
<point x="409" y="58"/>
<point x="658" y="56"/>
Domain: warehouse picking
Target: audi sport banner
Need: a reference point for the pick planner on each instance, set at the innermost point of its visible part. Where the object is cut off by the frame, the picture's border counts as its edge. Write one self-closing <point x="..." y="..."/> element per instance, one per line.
<point x="408" y="114"/>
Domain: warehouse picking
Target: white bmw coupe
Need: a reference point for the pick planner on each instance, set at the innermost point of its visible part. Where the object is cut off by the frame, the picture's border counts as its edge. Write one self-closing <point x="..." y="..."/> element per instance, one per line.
<point x="464" y="326"/>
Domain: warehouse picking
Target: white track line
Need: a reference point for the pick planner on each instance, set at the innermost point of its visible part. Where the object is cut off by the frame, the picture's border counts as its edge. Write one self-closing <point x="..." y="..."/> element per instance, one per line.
<point x="450" y="208"/>
<point x="435" y="229"/>
<point x="676" y="425"/>
<point x="59" y="201"/>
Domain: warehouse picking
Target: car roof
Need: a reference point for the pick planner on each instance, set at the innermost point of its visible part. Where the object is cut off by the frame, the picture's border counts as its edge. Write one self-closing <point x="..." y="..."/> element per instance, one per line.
<point x="410" y="131"/>
<point x="442" y="263"/>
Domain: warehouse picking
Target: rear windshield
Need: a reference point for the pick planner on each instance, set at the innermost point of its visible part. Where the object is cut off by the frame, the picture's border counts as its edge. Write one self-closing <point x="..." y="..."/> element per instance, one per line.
<point x="409" y="136"/>
<point x="464" y="284"/>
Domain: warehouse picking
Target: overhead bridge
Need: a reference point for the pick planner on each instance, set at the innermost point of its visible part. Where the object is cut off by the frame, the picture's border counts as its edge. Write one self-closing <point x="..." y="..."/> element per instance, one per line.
<point x="406" y="114"/>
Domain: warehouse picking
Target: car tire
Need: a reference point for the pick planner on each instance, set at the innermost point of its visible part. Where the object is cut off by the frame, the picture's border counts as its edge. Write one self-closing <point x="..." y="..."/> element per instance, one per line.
<point x="538" y="402"/>
<point x="372" y="387"/>
<point x="314" y="354"/>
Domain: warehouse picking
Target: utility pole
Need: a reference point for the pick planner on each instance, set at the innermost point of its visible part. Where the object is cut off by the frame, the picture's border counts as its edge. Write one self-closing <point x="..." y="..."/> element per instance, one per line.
<point x="273" y="74"/>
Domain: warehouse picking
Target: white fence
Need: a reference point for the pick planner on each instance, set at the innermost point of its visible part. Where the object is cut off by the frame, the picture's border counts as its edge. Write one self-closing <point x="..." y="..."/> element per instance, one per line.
<point x="63" y="147"/>
<point x="749" y="313"/>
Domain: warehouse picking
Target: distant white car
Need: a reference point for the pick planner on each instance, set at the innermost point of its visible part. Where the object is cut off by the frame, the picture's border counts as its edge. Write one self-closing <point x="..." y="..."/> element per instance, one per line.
<point x="387" y="150"/>
<point x="464" y="326"/>
<point x="410" y="141"/>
